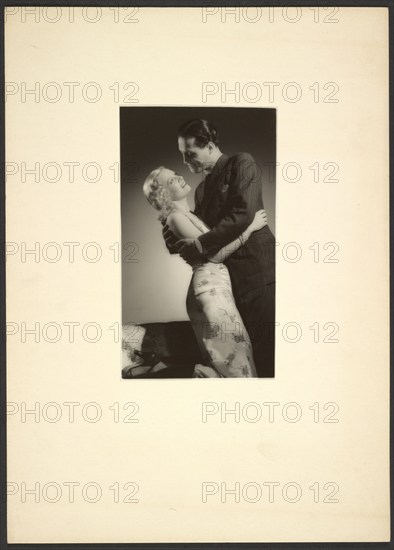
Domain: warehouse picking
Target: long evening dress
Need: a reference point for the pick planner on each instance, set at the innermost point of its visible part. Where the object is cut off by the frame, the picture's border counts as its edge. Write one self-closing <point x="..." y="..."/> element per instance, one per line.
<point x="220" y="332"/>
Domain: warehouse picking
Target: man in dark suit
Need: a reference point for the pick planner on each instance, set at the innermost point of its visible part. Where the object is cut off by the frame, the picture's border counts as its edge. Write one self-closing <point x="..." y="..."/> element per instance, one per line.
<point x="227" y="200"/>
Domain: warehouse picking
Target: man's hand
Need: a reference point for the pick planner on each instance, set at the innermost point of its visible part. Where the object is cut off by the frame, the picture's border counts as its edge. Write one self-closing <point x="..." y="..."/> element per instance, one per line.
<point x="189" y="251"/>
<point x="171" y="240"/>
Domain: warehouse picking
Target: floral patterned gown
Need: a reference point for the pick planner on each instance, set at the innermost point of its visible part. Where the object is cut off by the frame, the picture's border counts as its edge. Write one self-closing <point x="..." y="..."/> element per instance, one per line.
<point x="221" y="334"/>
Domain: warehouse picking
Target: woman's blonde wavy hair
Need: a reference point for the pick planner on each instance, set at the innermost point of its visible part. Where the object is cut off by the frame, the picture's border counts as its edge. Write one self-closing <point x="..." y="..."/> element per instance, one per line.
<point x="157" y="194"/>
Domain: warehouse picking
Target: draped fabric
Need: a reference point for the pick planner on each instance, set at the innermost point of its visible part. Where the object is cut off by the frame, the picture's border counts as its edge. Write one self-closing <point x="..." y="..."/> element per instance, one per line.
<point x="220" y="332"/>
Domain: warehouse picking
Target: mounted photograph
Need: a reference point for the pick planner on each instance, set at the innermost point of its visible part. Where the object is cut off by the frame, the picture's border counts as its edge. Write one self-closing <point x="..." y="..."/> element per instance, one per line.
<point x="198" y="244"/>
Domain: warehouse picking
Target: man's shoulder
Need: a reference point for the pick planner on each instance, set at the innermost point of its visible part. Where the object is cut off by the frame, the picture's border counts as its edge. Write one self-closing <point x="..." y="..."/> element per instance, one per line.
<point x="239" y="158"/>
<point x="242" y="165"/>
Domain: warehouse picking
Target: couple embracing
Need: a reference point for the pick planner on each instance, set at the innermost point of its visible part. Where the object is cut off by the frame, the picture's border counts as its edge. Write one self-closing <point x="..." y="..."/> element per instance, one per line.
<point x="230" y="248"/>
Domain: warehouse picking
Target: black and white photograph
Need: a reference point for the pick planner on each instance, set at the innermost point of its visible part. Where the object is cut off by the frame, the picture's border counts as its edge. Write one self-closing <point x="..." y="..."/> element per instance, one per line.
<point x="196" y="191"/>
<point x="198" y="225"/>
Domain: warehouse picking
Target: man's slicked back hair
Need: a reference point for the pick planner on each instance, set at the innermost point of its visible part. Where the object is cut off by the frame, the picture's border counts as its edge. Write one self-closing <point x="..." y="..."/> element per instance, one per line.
<point x="200" y="129"/>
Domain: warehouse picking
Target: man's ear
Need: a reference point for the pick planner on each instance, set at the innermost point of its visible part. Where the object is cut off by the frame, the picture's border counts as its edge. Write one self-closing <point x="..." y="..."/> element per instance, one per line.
<point x="211" y="146"/>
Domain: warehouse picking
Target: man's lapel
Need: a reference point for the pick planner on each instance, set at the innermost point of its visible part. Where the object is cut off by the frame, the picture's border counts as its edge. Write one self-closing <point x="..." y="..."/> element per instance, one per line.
<point x="213" y="180"/>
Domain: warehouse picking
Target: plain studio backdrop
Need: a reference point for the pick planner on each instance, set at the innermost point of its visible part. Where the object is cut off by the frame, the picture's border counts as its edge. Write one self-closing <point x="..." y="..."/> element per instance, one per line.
<point x="154" y="282"/>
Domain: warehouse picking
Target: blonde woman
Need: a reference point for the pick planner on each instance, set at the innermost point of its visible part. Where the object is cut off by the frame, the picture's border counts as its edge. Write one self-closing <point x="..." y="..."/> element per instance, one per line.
<point x="220" y="332"/>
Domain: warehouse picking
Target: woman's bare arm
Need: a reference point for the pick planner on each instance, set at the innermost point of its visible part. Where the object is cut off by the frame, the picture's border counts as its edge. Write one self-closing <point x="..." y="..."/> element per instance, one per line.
<point x="183" y="228"/>
<point x="259" y="221"/>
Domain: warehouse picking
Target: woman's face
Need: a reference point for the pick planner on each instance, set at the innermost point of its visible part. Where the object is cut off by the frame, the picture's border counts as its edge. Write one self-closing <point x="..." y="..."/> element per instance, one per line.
<point x="175" y="184"/>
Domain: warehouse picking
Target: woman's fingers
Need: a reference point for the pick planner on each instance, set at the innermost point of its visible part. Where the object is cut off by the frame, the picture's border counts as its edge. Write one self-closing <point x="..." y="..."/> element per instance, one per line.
<point x="263" y="214"/>
<point x="261" y="218"/>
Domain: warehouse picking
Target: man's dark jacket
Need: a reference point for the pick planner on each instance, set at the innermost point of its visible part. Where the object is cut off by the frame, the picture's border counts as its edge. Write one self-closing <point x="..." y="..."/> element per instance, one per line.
<point x="227" y="200"/>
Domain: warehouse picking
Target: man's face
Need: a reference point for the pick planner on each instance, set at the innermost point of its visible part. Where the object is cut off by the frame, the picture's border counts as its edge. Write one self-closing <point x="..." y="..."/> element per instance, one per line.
<point x="196" y="158"/>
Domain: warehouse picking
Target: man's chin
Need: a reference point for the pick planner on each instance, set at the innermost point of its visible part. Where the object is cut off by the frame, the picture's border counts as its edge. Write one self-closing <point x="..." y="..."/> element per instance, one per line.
<point x="195" y="169"/>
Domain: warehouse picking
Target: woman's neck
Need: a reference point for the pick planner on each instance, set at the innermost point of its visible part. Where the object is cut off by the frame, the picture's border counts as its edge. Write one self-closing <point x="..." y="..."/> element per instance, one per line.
<point x="182" y="205"/>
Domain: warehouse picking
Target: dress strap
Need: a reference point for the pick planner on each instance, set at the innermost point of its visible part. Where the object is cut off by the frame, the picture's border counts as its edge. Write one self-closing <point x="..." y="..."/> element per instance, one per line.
<point x="197" y="222"/>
